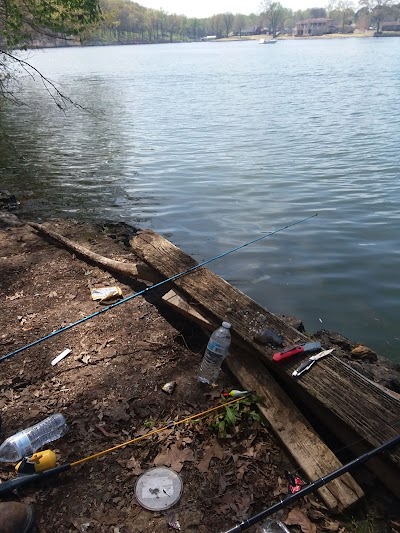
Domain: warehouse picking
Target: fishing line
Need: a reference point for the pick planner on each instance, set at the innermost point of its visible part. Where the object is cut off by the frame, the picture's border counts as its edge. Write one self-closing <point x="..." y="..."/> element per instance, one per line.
<point x="148" y="289"/>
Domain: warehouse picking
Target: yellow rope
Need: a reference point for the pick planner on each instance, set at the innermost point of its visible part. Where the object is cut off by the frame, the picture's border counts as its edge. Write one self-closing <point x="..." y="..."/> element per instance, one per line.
<point x="154" y="432"/>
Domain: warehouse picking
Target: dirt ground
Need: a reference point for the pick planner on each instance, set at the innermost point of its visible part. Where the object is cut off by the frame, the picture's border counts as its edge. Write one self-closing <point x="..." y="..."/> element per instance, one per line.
<point x="110" y="390"/>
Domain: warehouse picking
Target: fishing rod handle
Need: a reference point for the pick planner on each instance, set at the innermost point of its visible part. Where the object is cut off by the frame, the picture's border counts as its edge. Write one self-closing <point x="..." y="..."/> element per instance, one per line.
<point x="26" y="479"/>
<point x="312" y="487"/>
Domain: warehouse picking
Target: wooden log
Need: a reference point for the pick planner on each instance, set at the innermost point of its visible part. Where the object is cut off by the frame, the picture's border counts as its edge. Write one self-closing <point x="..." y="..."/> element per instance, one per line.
<point x="367" y="409"/>
<point x="135" y="270"/>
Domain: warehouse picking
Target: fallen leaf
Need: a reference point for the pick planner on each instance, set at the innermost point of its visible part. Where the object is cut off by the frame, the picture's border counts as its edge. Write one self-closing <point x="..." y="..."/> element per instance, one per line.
<point x="330" y="525"/>
<point x="174" y="457"/>
<point x="106" y="433"/>
<point x="212" y="451"/>
<point x="243" y="503"/>
<point x="134" y="465"/>
<point x="241" y="468"/>
<point x="281" y="488"/>
<point x="222" y="485"/>
<point x="81" y="524"/>
<point x="298" y="518"/>
<point x="15" y="296"/>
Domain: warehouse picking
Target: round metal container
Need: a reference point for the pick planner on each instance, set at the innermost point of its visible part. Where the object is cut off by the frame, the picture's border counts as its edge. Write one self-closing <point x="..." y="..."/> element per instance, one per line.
<point x="158" y="489"/>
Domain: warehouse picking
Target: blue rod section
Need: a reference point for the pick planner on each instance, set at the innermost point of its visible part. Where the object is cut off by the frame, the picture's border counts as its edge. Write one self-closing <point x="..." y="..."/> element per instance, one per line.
<point x="136" y="294"/>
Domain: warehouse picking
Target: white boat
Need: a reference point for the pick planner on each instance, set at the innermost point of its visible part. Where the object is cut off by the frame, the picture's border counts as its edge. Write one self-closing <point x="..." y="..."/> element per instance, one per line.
<point x="268" y="41"/>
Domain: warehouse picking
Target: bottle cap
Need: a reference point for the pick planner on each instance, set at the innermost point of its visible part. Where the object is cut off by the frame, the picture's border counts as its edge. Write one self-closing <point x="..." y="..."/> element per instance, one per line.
<point x="226" y="325"/>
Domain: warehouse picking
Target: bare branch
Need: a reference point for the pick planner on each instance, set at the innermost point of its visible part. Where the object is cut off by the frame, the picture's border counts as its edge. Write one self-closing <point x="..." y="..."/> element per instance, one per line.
<point x="60" y="99"/>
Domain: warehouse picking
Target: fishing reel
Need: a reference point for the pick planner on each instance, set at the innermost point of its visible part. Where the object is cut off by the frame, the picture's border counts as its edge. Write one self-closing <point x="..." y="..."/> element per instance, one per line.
<point x="38" y="462"/>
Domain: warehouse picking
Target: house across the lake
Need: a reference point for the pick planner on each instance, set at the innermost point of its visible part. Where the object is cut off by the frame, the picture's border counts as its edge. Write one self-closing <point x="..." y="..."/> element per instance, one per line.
<point x="390" y="26"/>
<point x="318" y="26"/>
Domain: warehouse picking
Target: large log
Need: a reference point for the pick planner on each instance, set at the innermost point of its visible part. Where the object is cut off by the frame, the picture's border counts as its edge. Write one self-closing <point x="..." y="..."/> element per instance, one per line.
<point x="136" y="270"/>
<point x="367" y="409"/>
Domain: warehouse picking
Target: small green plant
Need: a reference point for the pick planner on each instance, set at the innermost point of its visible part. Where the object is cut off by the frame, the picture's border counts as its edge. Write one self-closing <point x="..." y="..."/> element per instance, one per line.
<point x="149" y="423"/>
<point x="224" y="422"/>
<point x="89" y="236"/>
<point x="362" y="526"/>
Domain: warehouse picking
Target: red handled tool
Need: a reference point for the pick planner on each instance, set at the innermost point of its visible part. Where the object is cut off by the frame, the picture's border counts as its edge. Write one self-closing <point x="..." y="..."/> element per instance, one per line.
<point x="298" y="348"/>
<point x="295" y="483"/>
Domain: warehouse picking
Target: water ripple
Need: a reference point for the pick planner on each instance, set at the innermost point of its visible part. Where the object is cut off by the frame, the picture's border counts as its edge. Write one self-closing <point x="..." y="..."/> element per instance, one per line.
<point x="212" y="144"/>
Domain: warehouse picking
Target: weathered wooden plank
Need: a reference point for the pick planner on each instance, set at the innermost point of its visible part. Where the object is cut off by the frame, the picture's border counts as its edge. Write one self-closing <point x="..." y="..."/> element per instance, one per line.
<point x="296" y="434"/>
<point x="359" y="403"/>
<point x="294" y="431"/>
<point x="381" y="469"/>
<point x="179" y="304"/>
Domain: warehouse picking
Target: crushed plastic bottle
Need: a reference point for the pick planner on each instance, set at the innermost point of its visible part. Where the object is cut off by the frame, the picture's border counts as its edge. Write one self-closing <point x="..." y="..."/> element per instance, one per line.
<point x="273" y="526"/>
<point x="26" y="442"/>
<point x="216" y="351"/>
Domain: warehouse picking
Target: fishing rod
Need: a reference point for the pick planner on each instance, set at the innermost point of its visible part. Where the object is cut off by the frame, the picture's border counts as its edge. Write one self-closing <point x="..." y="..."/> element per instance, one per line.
<point x="308" y="489"/>
<point x="148" y="289"/>
<point x="29" y="470"/>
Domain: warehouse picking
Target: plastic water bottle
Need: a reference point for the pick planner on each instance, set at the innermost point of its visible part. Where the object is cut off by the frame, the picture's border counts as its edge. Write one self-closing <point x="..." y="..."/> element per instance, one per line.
<point x="26" y="442"/>
<point x="273" y="526"/>
<point x="216" y="351"/>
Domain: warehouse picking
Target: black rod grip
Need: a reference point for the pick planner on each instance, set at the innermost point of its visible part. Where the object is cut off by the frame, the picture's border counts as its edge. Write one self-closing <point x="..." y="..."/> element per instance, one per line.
<point x="25" y="479"/>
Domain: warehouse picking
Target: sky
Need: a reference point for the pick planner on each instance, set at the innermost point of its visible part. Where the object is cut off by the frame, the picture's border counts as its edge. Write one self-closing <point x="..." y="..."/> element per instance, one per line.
<point x="207" y="8"/>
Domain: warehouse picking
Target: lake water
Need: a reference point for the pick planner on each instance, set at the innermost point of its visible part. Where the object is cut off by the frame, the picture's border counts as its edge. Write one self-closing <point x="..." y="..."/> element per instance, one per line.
<point x="212" y="144"/>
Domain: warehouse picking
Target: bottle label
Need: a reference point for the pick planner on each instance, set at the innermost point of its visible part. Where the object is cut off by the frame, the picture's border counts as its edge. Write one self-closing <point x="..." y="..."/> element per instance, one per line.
<point x="216" y="348"/>
<point x="23" y="444"/>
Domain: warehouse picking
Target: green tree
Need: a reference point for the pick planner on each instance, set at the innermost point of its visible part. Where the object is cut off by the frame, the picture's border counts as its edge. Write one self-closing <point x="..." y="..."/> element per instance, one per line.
<point x="20" y="19"/>
<point x="342" y="12"/>
<point x="173" y="25"/>
<point x="217" y="23"/>
<point x="239" y="24"/>
<point x="317" y="12"/>
<point x="378" y="10"/>
<point x="24" y="20"/>
<point x="193" y="28"/>
<point x="228" y="19"/>
<point x="274" y="15"/>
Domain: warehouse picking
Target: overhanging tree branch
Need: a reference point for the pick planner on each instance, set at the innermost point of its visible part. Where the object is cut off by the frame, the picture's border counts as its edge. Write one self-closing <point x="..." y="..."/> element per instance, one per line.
<point x="60" y="99"/>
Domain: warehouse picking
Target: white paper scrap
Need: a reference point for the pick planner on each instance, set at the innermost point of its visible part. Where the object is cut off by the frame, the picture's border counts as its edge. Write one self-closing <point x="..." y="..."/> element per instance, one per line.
<point x="61" y="356"/>
<point x="159" y="488"/>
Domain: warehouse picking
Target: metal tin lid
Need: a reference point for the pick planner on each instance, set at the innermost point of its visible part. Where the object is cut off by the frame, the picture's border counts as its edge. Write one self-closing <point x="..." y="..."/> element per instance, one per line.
<point x="158" y="489"/>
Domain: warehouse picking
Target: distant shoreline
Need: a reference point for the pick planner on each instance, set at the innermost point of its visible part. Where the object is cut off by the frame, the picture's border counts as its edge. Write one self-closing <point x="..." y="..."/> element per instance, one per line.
<point x="366" y="34"/>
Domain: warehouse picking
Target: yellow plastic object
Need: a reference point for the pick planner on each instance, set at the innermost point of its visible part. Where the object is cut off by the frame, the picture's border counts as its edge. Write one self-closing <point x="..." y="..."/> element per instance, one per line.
<point x="41" y="461"/>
